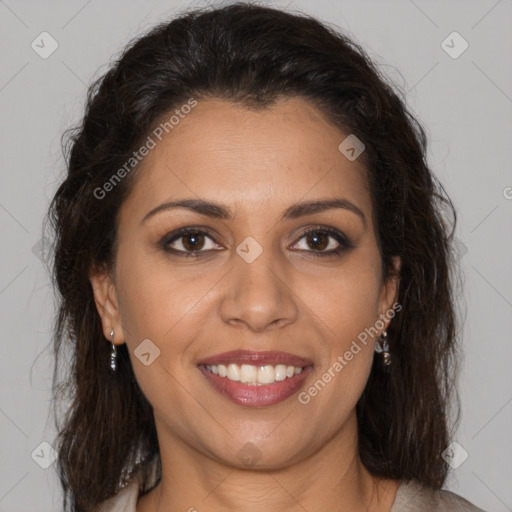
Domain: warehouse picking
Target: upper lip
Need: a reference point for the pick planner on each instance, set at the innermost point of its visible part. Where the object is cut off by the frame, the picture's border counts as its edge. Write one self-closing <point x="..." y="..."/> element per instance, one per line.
<point x="257" y="358"/>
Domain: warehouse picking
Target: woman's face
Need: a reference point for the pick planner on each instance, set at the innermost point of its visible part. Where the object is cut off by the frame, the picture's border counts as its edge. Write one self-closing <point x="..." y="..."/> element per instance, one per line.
<point x="248" y="277"/>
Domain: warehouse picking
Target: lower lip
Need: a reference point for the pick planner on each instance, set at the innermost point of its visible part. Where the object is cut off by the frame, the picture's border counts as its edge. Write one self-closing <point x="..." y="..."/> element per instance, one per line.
<point x="256" y="396"/>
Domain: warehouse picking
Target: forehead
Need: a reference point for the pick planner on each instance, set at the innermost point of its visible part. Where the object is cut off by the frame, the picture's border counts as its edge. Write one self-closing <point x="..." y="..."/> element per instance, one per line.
<point x="254" y="160"/>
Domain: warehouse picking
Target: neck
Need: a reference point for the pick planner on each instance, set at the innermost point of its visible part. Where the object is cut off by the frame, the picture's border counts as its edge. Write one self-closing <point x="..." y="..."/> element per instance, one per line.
<point x="332" y="479"/>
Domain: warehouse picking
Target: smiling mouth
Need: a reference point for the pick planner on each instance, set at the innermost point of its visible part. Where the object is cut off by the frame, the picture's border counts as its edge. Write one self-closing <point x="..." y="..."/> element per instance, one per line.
<point x="256" y="378"/>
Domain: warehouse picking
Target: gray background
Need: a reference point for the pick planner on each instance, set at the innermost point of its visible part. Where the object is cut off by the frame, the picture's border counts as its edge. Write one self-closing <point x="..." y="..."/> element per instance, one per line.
<point x="465" y="104"/>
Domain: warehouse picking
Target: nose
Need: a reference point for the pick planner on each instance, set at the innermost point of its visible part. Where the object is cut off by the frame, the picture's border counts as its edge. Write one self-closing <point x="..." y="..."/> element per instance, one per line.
<point x="258" y="295"/>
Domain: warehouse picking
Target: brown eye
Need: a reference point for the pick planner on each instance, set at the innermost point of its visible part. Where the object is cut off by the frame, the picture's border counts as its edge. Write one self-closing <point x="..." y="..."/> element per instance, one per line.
<point x="317" y="240"/>
<point x="189" y="242"/>
<point x="193" y="241"/>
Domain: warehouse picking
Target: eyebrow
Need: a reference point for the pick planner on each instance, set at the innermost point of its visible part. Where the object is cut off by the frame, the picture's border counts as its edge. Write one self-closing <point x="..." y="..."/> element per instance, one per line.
<point x="223" y="212"/>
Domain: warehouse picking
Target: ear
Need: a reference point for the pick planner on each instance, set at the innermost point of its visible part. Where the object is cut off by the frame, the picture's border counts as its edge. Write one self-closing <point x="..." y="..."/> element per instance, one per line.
<point x="105" y="297"/>
<point x="389" y="294"/>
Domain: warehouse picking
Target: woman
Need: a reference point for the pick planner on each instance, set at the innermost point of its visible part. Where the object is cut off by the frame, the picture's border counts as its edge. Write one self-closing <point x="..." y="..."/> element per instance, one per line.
<point x="255" y="280"/>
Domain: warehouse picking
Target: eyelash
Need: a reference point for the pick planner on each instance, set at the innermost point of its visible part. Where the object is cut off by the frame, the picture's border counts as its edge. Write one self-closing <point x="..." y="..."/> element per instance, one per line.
<point x="337" y="235"/>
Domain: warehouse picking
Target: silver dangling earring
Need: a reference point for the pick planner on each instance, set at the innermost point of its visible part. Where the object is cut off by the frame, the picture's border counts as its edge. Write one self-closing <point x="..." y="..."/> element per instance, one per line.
<point x="384" y="348"/>
<point x="113" y="354"/>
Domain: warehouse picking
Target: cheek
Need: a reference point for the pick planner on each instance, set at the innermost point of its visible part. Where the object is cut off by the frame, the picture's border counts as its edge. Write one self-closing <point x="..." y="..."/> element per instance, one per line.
<point x="348" y="308"/>
<point x="340" y="379"/>
<point x="348" y="301"/>
<point x="163" y="305"/>
<point x="159" y="318"/>
<point x="152" y="297"/>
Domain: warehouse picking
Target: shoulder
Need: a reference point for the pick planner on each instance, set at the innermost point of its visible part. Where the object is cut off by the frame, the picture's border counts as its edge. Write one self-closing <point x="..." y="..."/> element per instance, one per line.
<point x="414" y="496"/>
<point x="127" y="497"/>
<point x="124" y="501"/>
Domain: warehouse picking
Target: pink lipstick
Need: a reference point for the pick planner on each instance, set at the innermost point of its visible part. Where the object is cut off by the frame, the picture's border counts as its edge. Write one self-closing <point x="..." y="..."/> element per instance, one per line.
<point x="256" y="379"/>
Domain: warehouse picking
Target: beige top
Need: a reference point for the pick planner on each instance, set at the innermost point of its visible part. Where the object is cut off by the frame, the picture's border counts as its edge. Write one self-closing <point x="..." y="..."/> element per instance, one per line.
<point x="411" y="496"/>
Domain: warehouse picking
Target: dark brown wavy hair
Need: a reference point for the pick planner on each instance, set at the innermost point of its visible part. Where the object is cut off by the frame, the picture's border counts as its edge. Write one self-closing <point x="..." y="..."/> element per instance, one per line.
<point x="251" y="55"/>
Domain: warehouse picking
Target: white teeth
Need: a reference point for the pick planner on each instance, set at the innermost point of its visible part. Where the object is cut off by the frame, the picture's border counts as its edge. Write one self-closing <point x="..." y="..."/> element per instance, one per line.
<point x="248" y="373"/>
<point x="280" y="372"/>
<point x="266" y="374"/>
<point x="254" y="375"/>
<point x="233" y="372"/>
